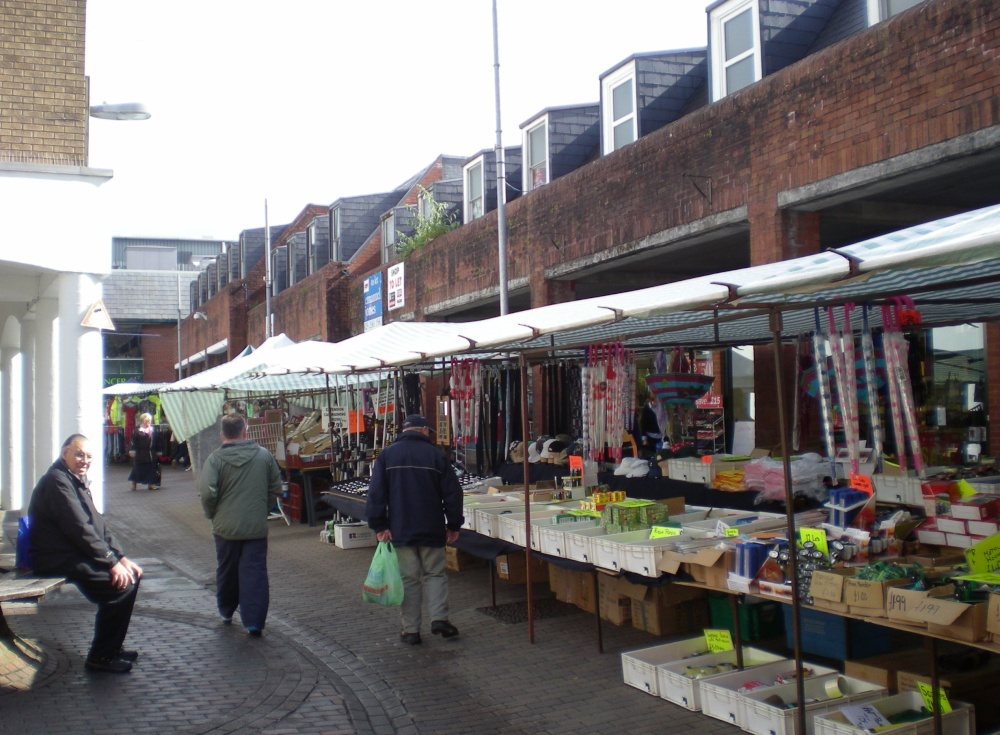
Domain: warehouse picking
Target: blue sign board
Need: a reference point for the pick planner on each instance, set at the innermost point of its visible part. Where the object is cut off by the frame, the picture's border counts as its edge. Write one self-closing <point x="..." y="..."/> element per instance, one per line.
<point x="373" y="301"/>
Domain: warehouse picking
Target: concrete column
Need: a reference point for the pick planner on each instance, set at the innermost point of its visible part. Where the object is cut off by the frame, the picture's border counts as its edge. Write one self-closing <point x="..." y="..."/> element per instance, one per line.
<point x="11" y="411"/>
<point x="46" y="409"/>
<point x="31" y="471"/>
<point x="81" y="371"/>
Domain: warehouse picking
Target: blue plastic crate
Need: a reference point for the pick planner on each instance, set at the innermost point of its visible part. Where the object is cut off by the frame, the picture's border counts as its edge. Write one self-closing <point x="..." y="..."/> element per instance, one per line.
<point x="825" y="634"/>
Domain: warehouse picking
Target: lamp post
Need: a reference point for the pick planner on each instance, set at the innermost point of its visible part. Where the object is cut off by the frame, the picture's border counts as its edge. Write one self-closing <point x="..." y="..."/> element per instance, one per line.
<point x="204" y="316"/>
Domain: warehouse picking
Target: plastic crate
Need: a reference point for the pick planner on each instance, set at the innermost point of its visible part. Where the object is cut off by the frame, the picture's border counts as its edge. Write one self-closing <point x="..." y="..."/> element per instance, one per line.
<point x="676" y="687"/>
<point x="765" y="717"/>
<point x="639" y="667"/>
<point x="720" y="696"/>
<point x="957" y="722"/>
<point x="825" y="634"/>
<point x="758" y="620"/>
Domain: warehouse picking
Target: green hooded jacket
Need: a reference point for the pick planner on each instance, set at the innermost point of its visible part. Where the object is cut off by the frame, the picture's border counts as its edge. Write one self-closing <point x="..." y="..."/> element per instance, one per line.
<point x="239" y="486"/>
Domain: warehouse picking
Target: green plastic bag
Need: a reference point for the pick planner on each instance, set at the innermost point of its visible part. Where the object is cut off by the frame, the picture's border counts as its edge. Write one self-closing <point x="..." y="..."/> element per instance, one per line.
<point x="384" y="584"/>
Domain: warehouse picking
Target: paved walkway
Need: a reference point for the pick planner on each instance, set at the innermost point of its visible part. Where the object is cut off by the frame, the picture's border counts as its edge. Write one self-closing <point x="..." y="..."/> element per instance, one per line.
<point x="327" y="663"/>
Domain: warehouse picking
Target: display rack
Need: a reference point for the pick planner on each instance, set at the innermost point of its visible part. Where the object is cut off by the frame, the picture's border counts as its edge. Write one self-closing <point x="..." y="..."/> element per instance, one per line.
<point x="709" y="425"/>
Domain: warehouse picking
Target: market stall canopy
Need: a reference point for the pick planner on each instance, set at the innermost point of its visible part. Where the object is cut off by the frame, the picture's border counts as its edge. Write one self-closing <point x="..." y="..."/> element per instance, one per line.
<point x="133" y="389"/>
<point x="950" y="266"/>
<point x="194" y="403"/>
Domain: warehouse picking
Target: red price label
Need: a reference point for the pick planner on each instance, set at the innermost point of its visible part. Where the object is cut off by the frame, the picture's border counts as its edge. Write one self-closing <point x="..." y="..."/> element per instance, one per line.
<point x="862" y="483"/>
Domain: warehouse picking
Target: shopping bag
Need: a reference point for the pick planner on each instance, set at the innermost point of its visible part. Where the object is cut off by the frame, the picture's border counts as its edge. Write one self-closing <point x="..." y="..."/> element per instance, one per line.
<point x="383" y="585"/>
<point x="22" y="552"/>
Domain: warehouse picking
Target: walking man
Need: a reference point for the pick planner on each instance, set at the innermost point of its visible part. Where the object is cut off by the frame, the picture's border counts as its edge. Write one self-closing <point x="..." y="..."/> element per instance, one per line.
<point x="69" y="538"/>
<point x="415" y="501"/>
<point x="239" y="485"/>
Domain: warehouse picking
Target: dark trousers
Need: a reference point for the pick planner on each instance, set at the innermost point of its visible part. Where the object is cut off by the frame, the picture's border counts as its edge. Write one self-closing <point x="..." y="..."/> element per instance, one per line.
<point x="114" y="607"/>
<point x="241" y="580"/>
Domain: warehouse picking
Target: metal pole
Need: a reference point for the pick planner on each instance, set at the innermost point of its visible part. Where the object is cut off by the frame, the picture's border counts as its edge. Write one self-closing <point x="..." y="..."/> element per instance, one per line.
<point x="267" y="276"/>
<point x="501" y="177"/>
<point x="786" y="462"/>
<point x="180" y="368"/>
<point x="527" y="496"/>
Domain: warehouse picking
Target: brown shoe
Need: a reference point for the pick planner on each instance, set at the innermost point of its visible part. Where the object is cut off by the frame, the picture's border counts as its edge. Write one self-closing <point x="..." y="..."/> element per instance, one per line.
<point x="134" y="487"/>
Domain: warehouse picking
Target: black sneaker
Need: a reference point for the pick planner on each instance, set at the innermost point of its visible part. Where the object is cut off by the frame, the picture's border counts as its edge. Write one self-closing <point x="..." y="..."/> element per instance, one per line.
<point x="444" y="629"/>
<point x="126" y="655"/>
<point x="254" y="632"/>
<point x="411" y="638"/>
<point x="110" y="665"/>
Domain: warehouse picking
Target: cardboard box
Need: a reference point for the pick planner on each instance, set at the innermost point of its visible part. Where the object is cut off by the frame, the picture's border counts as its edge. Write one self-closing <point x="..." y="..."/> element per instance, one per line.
<point x="928" y="533"/>
<point x="867" y="598"/>
<point x="986" y="527"/>
<point x="951" y="619"/>
<point x="670" y="609"/>
<point x="993" y="617"/>
<point x="883" y="669"/>
<point x="900" y="603"/>
<point x="565" y="584"/>
<point x="826" y="589"/>
<point x="511" y="567"/>
<point x="458" y="561"/>
<point x="976" y="686"/>
<point x="976" y="508"/>
<point x="950" y="525"/>
<point x="615" y="604"/>
<point x="709" y="567"/>
<point x="353" y="536"/>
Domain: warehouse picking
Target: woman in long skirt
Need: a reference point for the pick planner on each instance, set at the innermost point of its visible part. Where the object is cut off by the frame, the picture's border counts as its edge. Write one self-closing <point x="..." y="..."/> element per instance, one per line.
<point x="145" y="464"/>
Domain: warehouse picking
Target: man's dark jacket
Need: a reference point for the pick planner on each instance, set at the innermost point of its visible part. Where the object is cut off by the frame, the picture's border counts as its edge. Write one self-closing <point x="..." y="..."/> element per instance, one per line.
<point x="66" y="528"/>
<point x="414" y="493"/>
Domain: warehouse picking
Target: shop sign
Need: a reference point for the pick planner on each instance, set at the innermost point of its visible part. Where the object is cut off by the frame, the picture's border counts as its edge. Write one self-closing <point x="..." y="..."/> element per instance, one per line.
<point x="395" y="287"/>
<point x="373" y="301"/>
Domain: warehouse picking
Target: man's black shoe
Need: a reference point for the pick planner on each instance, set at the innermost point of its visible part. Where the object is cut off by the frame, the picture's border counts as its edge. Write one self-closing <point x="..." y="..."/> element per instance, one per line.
<point x="444" y="629"/>
<point x="111" y="665"/>
<point x="126" y="655"/>
<point x="411" y="638"/>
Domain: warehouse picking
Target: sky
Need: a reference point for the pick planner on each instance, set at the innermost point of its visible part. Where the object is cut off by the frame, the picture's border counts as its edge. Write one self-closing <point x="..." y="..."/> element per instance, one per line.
<point x="306" y="101"/>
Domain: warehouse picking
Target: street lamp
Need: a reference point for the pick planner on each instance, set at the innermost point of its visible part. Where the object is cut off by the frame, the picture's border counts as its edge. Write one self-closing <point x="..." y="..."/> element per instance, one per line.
<point x="203" y="315"/>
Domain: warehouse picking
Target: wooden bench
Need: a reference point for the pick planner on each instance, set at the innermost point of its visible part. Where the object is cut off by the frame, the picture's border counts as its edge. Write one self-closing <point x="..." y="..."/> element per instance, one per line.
<point x="20" y="593"/>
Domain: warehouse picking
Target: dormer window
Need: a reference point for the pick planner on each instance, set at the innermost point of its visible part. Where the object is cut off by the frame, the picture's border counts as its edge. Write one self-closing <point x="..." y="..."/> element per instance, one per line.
<point x="425" y="204"/>
<point x="388" y="237"/>
<point x="536" y="146"/>
<point x="879" y="10"/>
<point x="335" y="252"/>
<point x="473" y="200"/>
<point x="312" y="246"/>
<point x="735" y="44"/>
<point x="618" y="103"/>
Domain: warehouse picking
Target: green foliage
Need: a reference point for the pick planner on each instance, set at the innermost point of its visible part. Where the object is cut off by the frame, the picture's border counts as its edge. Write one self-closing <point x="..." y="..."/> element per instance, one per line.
<point x="438" y="223"/>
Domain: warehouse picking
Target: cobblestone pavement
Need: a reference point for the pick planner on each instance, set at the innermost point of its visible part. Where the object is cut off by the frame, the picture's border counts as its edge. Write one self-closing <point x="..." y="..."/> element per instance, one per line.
<point x="327" y="663"/>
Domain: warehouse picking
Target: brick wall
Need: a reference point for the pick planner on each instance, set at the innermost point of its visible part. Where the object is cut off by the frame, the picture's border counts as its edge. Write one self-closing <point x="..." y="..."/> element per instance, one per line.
<point x="43" y="91"/>
<point x="159" y="353"/>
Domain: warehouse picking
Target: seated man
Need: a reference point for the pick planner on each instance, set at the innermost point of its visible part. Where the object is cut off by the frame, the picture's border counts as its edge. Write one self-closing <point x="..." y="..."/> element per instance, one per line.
<point x="69" y="538"/>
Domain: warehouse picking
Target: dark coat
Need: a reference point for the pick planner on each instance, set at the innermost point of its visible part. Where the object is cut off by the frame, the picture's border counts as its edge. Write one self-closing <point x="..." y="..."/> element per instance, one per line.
<point x="66" y="528"/>
<point x="414" y="493"/>
<point x="146" y="446"/>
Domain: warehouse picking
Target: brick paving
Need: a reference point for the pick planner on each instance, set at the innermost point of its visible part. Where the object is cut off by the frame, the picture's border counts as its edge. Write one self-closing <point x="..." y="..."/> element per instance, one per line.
<point x="327" y="663"/>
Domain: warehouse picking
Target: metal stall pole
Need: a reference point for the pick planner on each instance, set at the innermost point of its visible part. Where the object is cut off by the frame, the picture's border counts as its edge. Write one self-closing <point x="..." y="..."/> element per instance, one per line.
<point x="786" y="462"/>
<point x="527" y="495"/>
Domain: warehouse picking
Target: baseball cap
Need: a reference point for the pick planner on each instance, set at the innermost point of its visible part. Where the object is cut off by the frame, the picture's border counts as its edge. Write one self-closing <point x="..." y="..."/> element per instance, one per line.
<point x="415" y="421"/>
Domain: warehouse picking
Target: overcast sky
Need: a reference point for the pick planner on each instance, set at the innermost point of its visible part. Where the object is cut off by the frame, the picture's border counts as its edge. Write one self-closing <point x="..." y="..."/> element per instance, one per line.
<point x="307" y="101"/>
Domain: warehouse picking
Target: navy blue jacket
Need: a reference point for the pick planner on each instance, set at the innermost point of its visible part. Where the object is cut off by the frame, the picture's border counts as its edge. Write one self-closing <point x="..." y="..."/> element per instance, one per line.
<point x="66" y="528"/>
<point x="414" y="493"/>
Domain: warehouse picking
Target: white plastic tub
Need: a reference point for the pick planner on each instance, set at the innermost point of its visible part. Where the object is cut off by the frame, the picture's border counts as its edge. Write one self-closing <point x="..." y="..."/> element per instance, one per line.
<point x="639" y="667"/>
<point x="675" y="687"/>
<point x="765" y="717"/>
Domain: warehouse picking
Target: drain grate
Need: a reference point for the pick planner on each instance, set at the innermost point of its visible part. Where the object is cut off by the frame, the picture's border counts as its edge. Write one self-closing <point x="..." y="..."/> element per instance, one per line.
<point x="517" y="612"/>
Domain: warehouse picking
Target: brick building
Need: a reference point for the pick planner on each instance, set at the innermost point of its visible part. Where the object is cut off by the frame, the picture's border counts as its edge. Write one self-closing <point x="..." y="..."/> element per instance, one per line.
<point x="835" y="121"/>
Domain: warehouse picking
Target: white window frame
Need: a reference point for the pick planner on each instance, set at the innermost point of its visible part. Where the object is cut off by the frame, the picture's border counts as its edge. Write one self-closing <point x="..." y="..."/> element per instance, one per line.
<point x="425" y="204"/>
<point x="389" y="237"/>
<point x="336" y="254"/>
<point x="526" y="177"/>
<point x="468" y="171"/>
<point x="717" y="42"/>
<point x="608" y="122"/>
<point x="311" y="247"/>
<point x="878" y="10"/>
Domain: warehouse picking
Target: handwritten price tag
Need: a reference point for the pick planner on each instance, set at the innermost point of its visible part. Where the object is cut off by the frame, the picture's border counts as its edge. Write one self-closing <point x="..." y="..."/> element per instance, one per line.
<point x="664" y="532"/>
<point x="817" y="536"/>
<point x="718" y="640"/>
<point x="927" y="692"/>
<point x="732" y="533"/>
<point x="965" y="490"/>
<point x="862" y="483"/>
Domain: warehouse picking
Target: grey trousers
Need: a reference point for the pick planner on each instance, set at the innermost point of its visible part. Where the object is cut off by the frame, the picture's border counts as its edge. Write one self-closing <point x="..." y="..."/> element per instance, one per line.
<point x="424" y="579"/>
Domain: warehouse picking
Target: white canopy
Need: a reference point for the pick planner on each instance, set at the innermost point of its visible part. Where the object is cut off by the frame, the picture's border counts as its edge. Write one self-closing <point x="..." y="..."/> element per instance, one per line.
<point x="952" y="264"/>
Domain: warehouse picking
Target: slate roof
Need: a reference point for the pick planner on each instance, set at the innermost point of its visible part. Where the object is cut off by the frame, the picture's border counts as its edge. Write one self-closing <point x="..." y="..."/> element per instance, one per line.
<point x="147" y="296"/>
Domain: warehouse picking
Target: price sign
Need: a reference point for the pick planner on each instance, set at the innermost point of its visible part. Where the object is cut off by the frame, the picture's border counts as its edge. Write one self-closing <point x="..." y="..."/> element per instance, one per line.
<point x="862" y="483"/>
<point x="865" y="717"/>
<point x="927" y="692"/>
<point x="965" y="489"/>
<point x="335" y="416"/>
<point x="718" y="640"/>
<point x="721" y="529"/>
<point x="576" y="463"/>
<point x="817" y="536"/>
<point x="664" y="532"/>
<point x="732" y="533"/>
<point x="985" y="556"/>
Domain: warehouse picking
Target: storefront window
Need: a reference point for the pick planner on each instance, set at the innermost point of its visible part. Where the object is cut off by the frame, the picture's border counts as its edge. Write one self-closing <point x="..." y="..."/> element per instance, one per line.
<point x="955" y="408"/>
